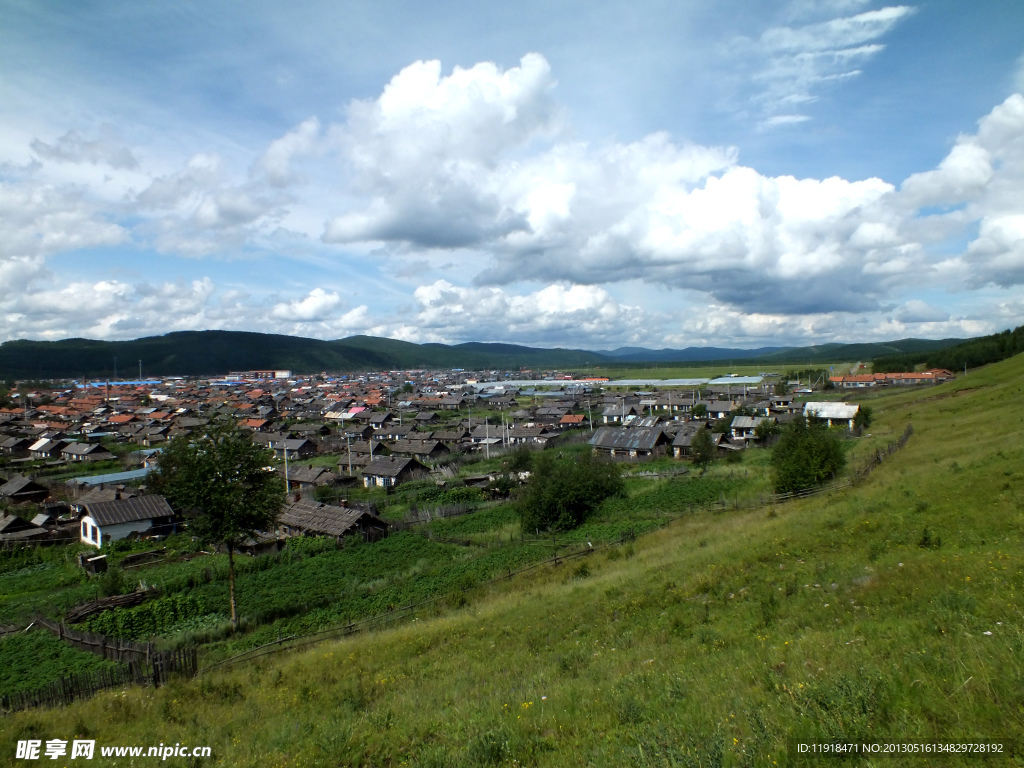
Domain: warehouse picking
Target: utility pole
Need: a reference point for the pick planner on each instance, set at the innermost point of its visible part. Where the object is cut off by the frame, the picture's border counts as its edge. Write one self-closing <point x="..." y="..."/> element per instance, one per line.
<point x="348" y="442"/>
<point x="287" y="486"/>
<point x="487" y="438"/>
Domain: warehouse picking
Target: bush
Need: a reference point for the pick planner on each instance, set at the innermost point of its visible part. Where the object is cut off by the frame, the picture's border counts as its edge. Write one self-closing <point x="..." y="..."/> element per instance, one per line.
<point x="863" y="418"/>
<point x="520" y="460"/>
<point x="563" y="492"/>
<point x="702" y="449"/>
<point x="808" y="454"/>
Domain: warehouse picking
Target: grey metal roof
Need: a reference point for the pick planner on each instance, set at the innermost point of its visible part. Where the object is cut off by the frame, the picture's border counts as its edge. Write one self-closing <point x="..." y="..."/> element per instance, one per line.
<point x="628" y="439"/>
<point x="128" y="510"/>
<point x="17" y="484"/>
<point x="114" y="477"/>
<point x="685" y="439"/>
<point x="12" y="523"/>
<point x="746" y="422"/>
<point x="390" y="466"/>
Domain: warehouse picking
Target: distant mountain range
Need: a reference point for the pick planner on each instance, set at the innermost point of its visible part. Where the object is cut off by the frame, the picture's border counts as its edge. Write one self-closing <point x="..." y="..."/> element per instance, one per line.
<point x="198" y="353"/>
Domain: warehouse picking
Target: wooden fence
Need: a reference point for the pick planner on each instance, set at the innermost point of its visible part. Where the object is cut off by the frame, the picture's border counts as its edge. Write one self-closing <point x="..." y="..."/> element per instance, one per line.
<point x="85" y="610"/>
<point x="110" y="648"/>
<point x="82" y="685"/>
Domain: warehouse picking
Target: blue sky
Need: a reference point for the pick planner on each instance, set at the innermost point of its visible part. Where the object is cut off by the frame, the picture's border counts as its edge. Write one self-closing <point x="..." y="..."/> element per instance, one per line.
<point x="590" y="174"/>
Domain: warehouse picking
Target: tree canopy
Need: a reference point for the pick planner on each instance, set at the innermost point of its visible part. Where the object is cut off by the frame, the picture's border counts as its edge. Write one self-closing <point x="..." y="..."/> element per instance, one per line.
<point x="808" y="454"/>
<point x="702" y="449"/>
<point x="562" y="493"/>
<point x="226" y="481"/>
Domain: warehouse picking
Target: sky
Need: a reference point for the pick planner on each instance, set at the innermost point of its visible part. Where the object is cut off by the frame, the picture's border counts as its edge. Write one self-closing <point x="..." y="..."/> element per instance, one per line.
<point x="592" y="174"/>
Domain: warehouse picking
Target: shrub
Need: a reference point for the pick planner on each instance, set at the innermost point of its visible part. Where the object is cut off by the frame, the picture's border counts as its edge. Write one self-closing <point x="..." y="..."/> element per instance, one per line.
<point x="702" y="449"/>
<point x="520" y="460"/>
<point x="808" y="454"/>
<point x="563" y="492"/>
<point x="863" y="417"/>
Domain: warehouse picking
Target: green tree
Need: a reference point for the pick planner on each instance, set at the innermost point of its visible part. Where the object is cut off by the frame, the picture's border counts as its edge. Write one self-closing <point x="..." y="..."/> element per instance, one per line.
<point x="520" y="460"/>
<point x="807" y="454"/>
<point x="699" y="411"/>
<point x="227" y="482"/>
<point x="863" y="417"/>
<point x="766" y="428"/>
<point x="702" y="449"/>
<point x="563" y="492"/>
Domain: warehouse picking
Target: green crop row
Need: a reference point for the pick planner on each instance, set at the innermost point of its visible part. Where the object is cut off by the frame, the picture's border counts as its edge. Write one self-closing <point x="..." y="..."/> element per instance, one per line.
<point x="152" y="618"/>
<point x="30" y="660"/>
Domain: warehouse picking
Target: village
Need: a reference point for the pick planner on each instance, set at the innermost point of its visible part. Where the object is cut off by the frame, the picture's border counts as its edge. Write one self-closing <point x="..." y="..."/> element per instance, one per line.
<point x="347" y="440"/>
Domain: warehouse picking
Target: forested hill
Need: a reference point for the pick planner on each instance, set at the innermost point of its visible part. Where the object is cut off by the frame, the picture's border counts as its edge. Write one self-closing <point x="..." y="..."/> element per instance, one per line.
<point x="970" y="353"/>
<point x="198" y="353"/>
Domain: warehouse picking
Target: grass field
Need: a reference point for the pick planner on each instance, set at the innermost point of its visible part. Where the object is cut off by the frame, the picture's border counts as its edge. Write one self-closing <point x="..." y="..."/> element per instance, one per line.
<point x="889" y="610"/>
<point x="707" y="370"/>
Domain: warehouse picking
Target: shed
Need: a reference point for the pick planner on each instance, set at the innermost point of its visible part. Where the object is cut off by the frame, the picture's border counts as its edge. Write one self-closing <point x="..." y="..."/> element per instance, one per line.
<point x="311" y="518"/>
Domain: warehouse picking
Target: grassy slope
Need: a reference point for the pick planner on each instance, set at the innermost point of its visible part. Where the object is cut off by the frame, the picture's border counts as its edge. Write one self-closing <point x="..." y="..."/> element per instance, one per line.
<point x="719" y="637"/>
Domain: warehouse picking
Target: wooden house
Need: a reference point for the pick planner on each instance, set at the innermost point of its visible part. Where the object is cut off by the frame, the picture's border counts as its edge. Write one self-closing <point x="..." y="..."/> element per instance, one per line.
<point x="311" y="518"/>
<point x="389" y="471"/>
<point x="104" y="521"/>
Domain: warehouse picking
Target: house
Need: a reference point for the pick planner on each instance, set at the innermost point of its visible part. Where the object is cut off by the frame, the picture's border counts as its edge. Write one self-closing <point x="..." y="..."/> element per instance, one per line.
<point x="395" y="432"/>
<point x="356" y="431"/>
<point x="613" y="414"/>
<point x="718" y="409"/>
<point x="14" y="528"/>
<point x="570" y="420"/>
<point x="743" y="427"/>
<point x="23" y="490"/>
<point x="389" y="471"/>
<point x="47" y="449"/>
<point x="420" y="449"/>
<point x="486" y="433"/>
<point x="683" y="440"/>
<point x="426" y="417"/>
<point x="311" y="518"/>
<point x="297" y="448"/>
<point x="86" y="452"/>
<point x="104" y="521"/>
<point x="301" y="478"/>
<point x="366" y="448"/>
<point x="630" y="443"/>
<point x="380" y="420"/>
<point x="18" y="447"/>
<point x="538" y="435"/>
<point x="451" y="436"/>
<point x="832" y="412"/>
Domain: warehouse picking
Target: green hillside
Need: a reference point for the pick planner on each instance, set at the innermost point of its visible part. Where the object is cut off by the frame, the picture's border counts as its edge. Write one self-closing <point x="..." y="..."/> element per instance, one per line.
<point x="884" y="611"/>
